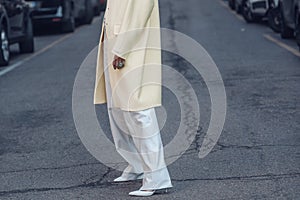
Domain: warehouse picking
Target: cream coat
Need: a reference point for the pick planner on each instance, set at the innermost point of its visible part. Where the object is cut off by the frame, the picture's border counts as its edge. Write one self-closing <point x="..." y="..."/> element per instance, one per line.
<point x="137" y="86"/>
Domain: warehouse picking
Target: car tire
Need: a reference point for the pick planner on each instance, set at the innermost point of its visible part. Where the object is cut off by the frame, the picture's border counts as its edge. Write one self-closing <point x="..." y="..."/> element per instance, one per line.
<point x="231" y="4"/>
<point x="4" y="46"/>
<point x="68" y="26"/>
<point x="285" y="31"/>
<point x="89" y="12"/>
<point x="247" y="13"/>
<point x="274" y="19"/>
<point x="27" y="45"/>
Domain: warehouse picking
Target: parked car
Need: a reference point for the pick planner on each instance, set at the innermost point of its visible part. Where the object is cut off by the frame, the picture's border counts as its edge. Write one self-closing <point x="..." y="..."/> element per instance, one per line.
<point x="235" y="5"/>
<point x="231" y="4"/>
<point x="254" y="10"/>
<point x="15" y="27"/>
<point x="66" y="13"/>
<point x="274" y="17"/>
<point x="99" y="5"/>
<point x="290" y="19"/>
<point x="238" y="6"/>
<point x="298" y="35"/>
<point x="103" y="4"/>
<point x="289" y="10"/>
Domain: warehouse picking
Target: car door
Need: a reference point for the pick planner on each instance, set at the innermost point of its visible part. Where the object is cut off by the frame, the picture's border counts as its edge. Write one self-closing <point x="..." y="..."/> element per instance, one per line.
<point x="15" y="13"/>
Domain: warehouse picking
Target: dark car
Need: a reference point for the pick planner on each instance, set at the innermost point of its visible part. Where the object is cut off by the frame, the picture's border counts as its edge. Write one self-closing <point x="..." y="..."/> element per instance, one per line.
<point x="235" y="5"/>
<point x="66" y="13"/>
<point x="15" y="27"/>
<point x="102" y="4"/>
<point x="99" y="5"/>
<point x="231" y="4"/>
<point x="290" y="19"/>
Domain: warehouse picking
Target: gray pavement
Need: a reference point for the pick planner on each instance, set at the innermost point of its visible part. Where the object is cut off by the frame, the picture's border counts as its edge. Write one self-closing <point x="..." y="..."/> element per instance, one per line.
<point x="256" y="157"/>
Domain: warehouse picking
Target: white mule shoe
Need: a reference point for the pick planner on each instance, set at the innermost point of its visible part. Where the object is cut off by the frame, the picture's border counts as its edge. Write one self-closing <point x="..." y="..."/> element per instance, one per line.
<point x="132" y="177"/>
<point x="142" y="193"/>
<point x="147" y="193"/>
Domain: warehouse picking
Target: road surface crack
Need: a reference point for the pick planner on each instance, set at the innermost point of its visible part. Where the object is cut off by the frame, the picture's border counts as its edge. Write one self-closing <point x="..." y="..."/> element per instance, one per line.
<point x="98" y="183"/>
<point x="252" y="177"/>
<point x="101" y="183"/>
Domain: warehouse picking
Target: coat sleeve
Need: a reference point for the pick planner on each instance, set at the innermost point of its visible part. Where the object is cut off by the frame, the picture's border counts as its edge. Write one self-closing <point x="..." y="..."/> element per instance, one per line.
<point x="136" y="16"/>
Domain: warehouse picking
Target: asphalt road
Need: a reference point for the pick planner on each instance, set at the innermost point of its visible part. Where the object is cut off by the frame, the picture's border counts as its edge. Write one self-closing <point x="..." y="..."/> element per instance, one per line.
<point x="256" y="157"/>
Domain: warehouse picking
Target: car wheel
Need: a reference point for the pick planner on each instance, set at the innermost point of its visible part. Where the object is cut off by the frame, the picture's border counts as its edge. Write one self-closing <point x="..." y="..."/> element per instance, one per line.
<point x="231" y="4"/>
<point x="247" y="13"/>
<point x="274" y="19"/>
<point x="4" y="50"/>
<point x="89" y="12"/>
<point x="27" y="45"/>
<point x="285" y="31"/>
<point x="68" y="26"/>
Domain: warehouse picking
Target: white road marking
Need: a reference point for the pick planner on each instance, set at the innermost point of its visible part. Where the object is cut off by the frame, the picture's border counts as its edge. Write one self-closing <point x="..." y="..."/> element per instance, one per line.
<point x="19" y="63"/>
<point x="269" y="37"/>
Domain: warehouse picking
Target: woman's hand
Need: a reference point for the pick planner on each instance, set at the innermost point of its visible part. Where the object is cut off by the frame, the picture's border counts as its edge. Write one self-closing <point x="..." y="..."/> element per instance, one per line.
<point x="118" y="62"/>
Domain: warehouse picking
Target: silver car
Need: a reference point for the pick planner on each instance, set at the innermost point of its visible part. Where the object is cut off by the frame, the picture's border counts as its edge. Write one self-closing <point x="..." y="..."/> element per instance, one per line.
<point x="254" y="10"/>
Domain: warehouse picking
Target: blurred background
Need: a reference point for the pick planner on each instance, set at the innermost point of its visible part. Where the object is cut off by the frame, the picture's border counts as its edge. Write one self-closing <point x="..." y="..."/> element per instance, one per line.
<point x="22" y="20"/>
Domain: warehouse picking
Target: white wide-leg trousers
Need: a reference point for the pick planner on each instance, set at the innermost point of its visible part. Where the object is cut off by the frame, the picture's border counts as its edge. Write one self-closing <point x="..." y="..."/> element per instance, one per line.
<point x="137" y="139"/>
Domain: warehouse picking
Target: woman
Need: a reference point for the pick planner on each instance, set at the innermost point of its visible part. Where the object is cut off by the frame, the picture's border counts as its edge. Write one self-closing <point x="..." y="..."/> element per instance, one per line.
<point x="128" y="78"/>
